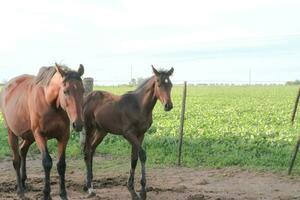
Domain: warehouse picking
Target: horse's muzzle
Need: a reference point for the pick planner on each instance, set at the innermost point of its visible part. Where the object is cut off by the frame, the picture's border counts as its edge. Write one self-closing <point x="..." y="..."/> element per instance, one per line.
<point x="168" y="106"/>
<point x="77" y="126"/>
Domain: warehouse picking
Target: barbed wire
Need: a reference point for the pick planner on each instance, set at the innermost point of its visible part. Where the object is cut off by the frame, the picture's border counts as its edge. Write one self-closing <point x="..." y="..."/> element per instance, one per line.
<point x="246" y="82"/>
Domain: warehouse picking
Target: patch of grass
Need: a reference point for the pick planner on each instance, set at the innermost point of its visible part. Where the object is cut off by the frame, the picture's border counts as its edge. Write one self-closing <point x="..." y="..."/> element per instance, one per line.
<point x="225" y="126"/>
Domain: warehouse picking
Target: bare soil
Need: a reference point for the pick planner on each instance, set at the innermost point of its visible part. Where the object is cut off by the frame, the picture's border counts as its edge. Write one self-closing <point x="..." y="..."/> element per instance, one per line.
<point x="166" y="183"/>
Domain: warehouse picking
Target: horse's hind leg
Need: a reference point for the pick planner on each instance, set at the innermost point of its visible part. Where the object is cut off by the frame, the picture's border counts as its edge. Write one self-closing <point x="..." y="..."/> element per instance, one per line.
<point x="13" y="142"/>
<point x="143" y="158"/>
<point x="23" y="153"/>
<point x="137" y="148"/>
<point x="92" y="141"/>
<point x="61" y="167"/>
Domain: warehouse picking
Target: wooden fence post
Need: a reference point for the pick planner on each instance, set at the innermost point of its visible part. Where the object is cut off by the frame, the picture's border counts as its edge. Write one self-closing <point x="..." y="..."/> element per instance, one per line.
<point x="181" y="124"/>
<point x="88" y="84"/>
<point x="294" y="156"/>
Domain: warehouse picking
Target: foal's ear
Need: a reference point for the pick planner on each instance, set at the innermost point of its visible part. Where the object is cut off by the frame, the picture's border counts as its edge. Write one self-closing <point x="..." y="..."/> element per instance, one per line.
<point x="81" y="70"/>
<point x="60" y="70"/>
<point x="155" y="71"/>
<point x="170" y="72"/>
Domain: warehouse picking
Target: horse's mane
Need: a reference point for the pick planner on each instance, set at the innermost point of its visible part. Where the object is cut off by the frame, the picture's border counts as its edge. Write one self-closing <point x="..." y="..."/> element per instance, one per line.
<point x="145" y="82"/>
<point x="46" y="73"/>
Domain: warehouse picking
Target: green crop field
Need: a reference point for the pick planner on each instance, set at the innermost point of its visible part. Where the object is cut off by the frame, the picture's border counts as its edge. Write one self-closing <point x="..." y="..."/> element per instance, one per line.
<point x="224" y="126"/>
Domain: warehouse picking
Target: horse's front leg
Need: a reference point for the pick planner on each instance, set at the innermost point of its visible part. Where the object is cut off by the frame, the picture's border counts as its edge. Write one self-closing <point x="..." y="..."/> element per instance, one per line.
<point x="130" y="183"/>
<point x="46" y="161"/>
<point x="61" y="167"/>
<point x="135" y="141"/>
<point x="143" y="158"/>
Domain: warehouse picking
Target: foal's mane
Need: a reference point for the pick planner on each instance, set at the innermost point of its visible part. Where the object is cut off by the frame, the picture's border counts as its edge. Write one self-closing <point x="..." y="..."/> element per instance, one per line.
<point x="46" y="73"/>
<point x="141" y="86"/>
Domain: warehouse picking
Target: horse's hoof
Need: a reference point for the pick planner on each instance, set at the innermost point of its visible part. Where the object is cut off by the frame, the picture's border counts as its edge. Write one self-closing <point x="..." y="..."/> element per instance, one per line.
<point x="47" y="198"/>
<point x="63" y="195"/>
<point x="21" y="196"/>
<point x="143" y="195"/>
<point x="91" y="193"/>
<point x="85" y="188"/>
<point x="63" y="198"/>
<point x="24" y="186"/>
<point x="134" y="196"/>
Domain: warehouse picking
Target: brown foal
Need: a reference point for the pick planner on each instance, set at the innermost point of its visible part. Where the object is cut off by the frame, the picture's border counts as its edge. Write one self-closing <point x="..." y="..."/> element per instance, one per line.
<point x="129" y="115"/>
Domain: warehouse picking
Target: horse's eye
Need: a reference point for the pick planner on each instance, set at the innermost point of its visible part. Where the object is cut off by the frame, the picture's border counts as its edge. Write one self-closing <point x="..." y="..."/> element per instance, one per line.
<point x="66" y="92"/>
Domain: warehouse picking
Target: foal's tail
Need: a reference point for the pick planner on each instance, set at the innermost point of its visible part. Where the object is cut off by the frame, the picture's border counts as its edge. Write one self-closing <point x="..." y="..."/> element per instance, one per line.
<point x="295" y="107"/>
<point x="89" y="105"/>
<point x="82" y="139"/>
<point x="87" y="111"/>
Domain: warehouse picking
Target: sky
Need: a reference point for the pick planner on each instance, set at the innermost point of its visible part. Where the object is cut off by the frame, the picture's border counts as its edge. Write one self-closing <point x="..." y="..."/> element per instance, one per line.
<point x="205" y="41"/>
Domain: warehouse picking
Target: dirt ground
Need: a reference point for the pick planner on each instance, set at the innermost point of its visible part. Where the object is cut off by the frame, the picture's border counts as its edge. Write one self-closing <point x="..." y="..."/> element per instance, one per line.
<point x="166" y="183"/>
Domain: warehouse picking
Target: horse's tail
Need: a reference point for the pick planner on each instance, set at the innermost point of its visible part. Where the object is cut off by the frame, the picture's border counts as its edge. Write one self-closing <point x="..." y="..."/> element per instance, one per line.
<point x="83" y="132"/>
<point x="89" y="105"/>
<point x="86" y="111"/>
<point x="82" y="139"/>
<point x="295" y="107"/>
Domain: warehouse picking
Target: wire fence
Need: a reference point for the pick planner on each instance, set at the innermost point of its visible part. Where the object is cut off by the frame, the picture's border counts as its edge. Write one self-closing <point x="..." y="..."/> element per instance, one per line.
<point x="199" y="82"/>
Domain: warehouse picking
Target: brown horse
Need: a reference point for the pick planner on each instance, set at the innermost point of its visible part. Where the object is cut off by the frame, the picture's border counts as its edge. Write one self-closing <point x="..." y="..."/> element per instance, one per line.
<point x="38" y="108"/>
<point x="129" y="115"/>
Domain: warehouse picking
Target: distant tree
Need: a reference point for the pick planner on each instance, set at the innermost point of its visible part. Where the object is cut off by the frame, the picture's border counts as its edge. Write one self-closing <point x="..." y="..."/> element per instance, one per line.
<point x="296" y="82"/>
<point x="132" y="82"/>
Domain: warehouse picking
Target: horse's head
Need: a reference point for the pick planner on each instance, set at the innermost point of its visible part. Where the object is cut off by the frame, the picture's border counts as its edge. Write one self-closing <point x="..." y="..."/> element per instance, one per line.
<point x="163" y="86"/>
<point x="70" y="96"/>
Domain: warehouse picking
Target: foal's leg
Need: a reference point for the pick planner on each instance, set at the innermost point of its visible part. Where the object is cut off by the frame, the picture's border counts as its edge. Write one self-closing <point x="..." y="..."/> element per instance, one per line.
<point x="143" y="158"/>
<point x="92" y="141"/>
<point x="61" y="167"/>
<point x="130" y="183"/>
<point x="88" y="159"/>
<point x="13" y="142"/>
<point x="135" y="142"/>
<point x="47" y="163"/>
<point x="23" y="153"/>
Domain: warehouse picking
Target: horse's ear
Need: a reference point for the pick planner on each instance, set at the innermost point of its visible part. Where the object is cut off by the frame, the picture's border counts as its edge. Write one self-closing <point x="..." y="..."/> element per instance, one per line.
<point x="81" y="70"/>
<point x="60" y="70"/>
<point x="170" y="72"/>
<point x="155" y="71"/>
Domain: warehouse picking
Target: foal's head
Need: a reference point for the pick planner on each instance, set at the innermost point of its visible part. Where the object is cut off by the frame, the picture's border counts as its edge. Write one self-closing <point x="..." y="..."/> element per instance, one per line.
<point x="70" y="96"/>
<point x="163" y="86"/>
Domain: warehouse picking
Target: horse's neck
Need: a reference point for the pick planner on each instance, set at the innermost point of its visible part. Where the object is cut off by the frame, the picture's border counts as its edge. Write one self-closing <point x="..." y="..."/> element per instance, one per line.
<point x="52" y="90"/>
<point x="146" y="96"/>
